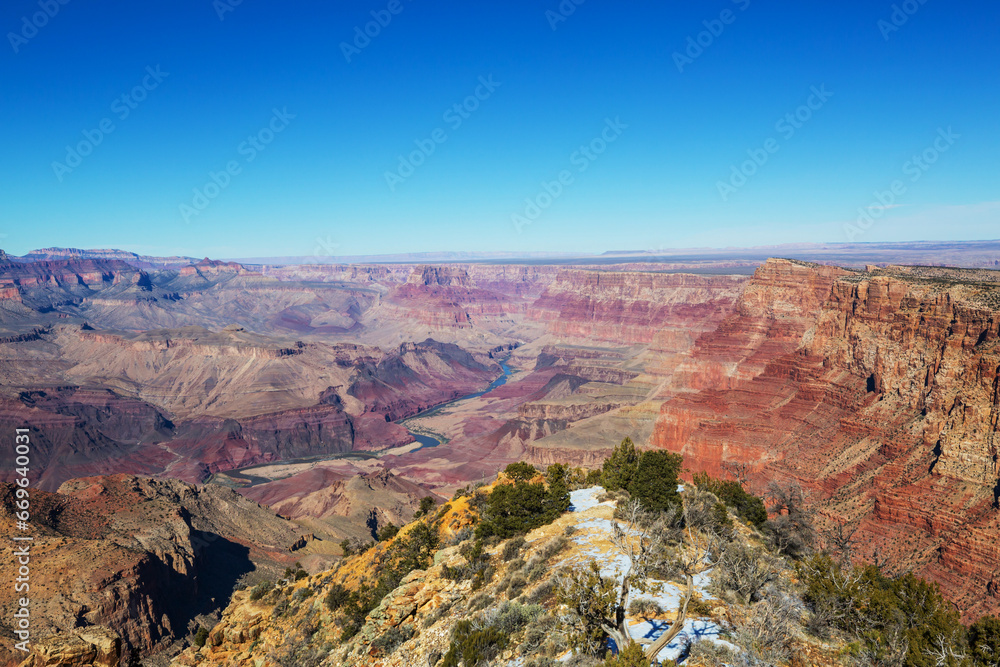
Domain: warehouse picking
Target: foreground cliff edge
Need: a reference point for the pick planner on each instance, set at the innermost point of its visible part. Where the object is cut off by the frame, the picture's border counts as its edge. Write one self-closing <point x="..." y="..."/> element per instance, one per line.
<point x="653" y="571"/>
<point x="538" y="569"/>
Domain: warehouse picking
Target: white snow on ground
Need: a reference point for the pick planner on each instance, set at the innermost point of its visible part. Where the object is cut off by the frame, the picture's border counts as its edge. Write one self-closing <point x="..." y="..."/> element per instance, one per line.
<point x="701" y="582"/>
<point x="669" y="597"/>
<point x="695" y="630"/>
<point x="594" y="529"/>
<point x="582" y="500"/>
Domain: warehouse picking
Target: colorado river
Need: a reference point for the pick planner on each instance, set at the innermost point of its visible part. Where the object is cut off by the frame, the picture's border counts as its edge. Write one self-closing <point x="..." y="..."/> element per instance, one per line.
<point x="431" y="440"/>
<point x="424" y="439"/>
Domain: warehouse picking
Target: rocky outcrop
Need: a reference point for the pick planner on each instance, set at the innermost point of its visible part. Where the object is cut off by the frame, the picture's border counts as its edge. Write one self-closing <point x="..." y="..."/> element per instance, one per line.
<point x="886" y="409"/>
<point x="368" y="500"/>
<point x="87" y="647"/>
<point x="137" y="556"/>
<point x="444" y="276"/>
<point x="138" y="261"/>
<point x="209" y="268"/>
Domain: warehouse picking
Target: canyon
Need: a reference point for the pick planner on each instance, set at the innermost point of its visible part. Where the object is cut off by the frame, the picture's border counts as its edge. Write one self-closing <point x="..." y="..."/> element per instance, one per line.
<point x="876" y="388"/>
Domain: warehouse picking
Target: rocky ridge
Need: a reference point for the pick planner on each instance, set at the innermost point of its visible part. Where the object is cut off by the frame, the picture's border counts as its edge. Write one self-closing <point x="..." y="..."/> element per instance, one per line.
<point x="120" y="565"/>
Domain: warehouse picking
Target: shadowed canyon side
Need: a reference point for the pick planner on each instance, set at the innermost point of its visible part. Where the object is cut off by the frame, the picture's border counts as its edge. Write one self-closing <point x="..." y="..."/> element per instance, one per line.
<point x="886" y="410"/>
<point x="142" y="558"/>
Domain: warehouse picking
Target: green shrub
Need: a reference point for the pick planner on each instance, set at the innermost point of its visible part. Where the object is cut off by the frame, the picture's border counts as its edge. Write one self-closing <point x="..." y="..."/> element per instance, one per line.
<point x="520" y="471"/>
<point x="512" y="617"/>
<point x="541" y="593"/>
<point x="632" y="656"/>
<point x="387" y="532"/>
<point x="511" y="549"/>
<point x="201" y="636"/>
<point x="260" y="590"/>
<point x="392" y="639"/>
<point x="620" y="467"/>
<point x="477" y="562"/>
<point x="747" y="506"/>
<point x="553" y="547"/>
<point x="984" y="641"/>
<point x="472" y="647"/>
<point x="336" y="597"/>
<point x="426" y="505"/>
<point x="515" y="509"/>
<point x="535" y="571"/>
<point x="644" y="608"/>
<point x="882" y="612"/>
<point x="281" y="608"/>
<point x="654" y="482"/>
<point x="516" y="585"/>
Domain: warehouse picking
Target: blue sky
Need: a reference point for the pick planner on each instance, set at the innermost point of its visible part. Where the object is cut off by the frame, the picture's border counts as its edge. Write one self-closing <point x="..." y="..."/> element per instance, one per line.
<point x="645" y="141"/>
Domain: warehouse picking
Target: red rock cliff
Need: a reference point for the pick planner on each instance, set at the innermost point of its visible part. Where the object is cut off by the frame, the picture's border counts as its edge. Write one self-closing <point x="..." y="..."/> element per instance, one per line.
<point x="880" y="397"/>
<point x="630" y="307"/>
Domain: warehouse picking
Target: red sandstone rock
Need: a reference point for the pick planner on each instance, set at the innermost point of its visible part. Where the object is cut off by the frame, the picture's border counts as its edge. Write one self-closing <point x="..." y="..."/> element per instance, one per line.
<point x="881" y="398"/>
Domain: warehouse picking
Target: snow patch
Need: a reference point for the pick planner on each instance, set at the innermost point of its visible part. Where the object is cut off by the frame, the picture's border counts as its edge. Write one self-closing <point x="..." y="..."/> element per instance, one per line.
<point x="695" y="630"/>
<point x="582" y="500"/>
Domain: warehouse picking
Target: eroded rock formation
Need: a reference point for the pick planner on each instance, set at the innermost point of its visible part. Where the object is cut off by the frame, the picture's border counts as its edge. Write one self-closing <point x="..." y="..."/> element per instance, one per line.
<point x="885" y="407"/>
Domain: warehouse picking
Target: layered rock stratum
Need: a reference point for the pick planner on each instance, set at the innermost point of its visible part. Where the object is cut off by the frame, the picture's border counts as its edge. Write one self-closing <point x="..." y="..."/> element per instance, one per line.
<point x="882" y="400"/>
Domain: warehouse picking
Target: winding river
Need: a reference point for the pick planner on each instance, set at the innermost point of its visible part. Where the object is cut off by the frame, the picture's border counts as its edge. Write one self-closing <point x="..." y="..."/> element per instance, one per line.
<point x="430" y="440"/>
<point x="425" y="439"/>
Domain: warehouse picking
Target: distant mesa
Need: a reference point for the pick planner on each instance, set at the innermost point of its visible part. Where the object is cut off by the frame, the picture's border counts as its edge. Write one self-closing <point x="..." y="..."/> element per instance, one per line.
<point x="445" y="276"/>
<point x="134" y="259"/>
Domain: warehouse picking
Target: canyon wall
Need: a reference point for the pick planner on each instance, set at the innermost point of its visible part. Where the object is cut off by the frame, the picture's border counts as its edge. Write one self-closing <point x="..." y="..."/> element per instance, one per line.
<point x="878" y="393"/>
<point x="631" y="307"/>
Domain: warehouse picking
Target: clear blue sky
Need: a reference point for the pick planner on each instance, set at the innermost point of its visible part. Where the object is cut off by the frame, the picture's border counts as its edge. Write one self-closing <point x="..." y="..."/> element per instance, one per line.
<point x="321" y="184"/>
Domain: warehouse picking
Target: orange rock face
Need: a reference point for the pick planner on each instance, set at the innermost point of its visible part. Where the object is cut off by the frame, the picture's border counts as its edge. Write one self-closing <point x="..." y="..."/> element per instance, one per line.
<point x="878" y="392"/>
